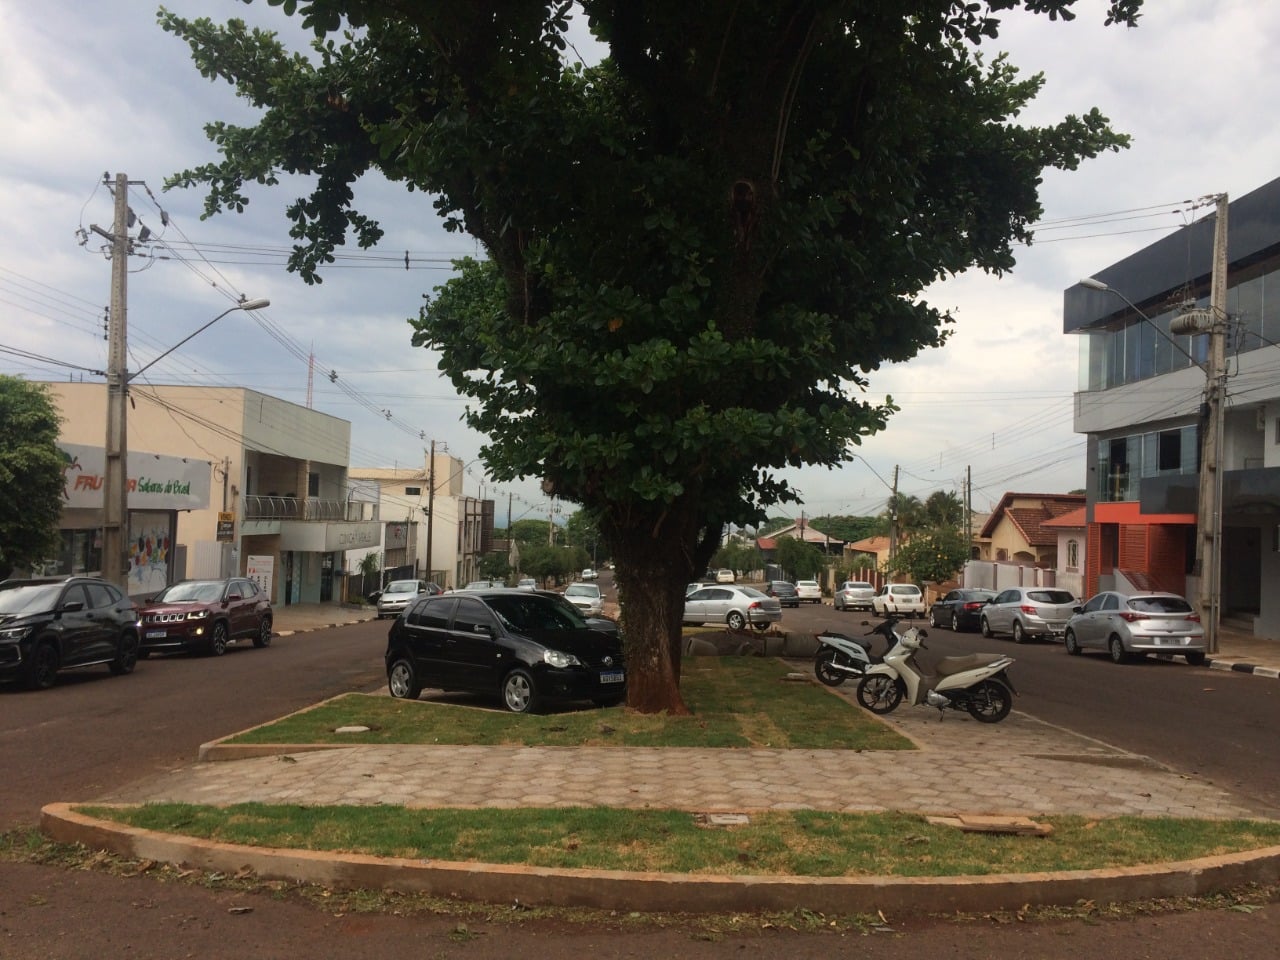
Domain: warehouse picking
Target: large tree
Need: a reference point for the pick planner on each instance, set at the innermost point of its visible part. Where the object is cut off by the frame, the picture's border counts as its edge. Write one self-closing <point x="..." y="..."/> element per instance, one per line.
<point x="31" y="475"/>
<point x="706" y="241"/>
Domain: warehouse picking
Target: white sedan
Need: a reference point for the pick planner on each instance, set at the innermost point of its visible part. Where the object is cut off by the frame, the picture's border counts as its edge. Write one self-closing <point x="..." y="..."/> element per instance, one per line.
<point x="808" y="591"/>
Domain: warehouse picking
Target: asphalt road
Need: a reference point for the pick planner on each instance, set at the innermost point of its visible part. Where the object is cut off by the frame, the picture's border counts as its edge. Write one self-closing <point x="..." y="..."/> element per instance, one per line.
<point x="94" y="732"/>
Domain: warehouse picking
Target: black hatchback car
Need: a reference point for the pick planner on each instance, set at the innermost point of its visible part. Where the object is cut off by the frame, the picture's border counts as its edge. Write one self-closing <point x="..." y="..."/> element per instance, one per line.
<point x="524" y="646"/>
<point x="47" y="626"/>
<point x="960" y="609"/>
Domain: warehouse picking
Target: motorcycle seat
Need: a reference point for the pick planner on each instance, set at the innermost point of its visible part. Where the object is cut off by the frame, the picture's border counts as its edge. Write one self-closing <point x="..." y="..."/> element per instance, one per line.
<point x="948" y="666"/>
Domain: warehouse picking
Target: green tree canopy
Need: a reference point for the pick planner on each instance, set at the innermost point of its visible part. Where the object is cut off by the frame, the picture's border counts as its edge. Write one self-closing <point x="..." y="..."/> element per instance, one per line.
<point x="31" y="476"/>
<point x="706" y="242"/>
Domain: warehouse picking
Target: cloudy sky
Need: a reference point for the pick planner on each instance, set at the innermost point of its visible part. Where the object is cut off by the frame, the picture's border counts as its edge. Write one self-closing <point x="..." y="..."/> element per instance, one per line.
<point x="94" y="89"/>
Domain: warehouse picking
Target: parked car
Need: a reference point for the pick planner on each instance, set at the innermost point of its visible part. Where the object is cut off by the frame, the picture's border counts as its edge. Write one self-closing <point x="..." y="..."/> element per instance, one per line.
<point x="524" y="647"/>
<point x="725" y="576"/>
<point x="902" y="599"/>
<point x="735" y="606"/>
<point x="586" y="597"/>
<point x="960" y="609"/>
<point x="52" y="625"/>
<point x="854" y="595"/>
<point x="527" y="583"/>
<point x="589" y="574"/>
<point x="809" y="591"/>
<point x="784" y="591"/>
<point x="397" y="595"/>
<point x="1024" y="612"/>
<point x="1138" y="623"/>
<point x="485" y="585"/>
<point x="205" y="616"/>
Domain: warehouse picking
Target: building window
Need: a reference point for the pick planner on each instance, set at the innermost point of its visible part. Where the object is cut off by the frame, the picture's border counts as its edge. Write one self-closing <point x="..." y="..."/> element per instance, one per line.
<point x="313" y="484"/>
<point x="413" y="491"/>
<point x="1073" y="555"/>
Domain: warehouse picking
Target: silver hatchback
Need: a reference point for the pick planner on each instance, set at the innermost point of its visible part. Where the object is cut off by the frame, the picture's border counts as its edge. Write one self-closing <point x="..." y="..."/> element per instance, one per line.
<point x="1138" y="623"/>
<point x="854" y="595"/>
<point x="1025" y="612"/>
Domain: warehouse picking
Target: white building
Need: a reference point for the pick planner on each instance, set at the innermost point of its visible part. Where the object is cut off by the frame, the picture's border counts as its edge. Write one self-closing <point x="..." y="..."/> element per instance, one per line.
<point x="255" y="485"/>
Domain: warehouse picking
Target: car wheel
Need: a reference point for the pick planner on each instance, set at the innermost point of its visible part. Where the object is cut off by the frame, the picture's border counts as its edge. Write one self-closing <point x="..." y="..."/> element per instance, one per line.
<point x="933" y="618"/>
<point x="42" y="667"/>
<point x="218" y="639"/>
<point x="1019" y="635"/>
<point x="1116" y="647"/>
<point x="1071" y="643"/>
<point x="402" y="680"/>
<point x="955" y="622"/>
<point x="127" y="654"/>
<point x="986" y="629"/>
<point x="1195" y="658"/>
<point x="735" y="620"/>
<point x="263" y="639"/>
<point x="519" y="693"/>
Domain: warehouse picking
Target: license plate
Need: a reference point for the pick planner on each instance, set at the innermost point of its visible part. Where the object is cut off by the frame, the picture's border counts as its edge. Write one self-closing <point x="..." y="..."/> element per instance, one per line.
<point x="611" y="676"/>
<point x="156" y="634"/>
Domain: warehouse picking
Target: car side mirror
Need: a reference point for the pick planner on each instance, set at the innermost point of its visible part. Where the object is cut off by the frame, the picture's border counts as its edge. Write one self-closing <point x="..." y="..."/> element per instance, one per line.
<point x="1077" y="609"/>
<point x="72" y="606"/>
<point x="234" y="596"/>
<point x="483" y="628"/>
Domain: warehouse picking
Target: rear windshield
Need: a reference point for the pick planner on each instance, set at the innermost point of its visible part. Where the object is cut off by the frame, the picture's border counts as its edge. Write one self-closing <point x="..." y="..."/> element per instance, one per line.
<point x="1050" y="596"/>
<point x="1159" y="605"/>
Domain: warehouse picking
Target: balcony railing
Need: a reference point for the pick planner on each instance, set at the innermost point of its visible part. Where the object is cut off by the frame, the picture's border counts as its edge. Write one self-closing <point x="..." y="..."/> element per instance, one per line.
<point x="294" y="508"/>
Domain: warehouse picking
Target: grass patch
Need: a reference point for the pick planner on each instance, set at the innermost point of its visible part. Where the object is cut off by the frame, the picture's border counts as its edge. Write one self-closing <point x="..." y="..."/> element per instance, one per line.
<point x="795" y="843"/>
<point x="736" y="702"/>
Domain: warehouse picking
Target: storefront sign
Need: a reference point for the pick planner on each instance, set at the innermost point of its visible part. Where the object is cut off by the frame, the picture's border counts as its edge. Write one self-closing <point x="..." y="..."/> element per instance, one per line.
<point x="155" y="482"/>
<point x="261" y="571"/>
<point x="226" y="527"/>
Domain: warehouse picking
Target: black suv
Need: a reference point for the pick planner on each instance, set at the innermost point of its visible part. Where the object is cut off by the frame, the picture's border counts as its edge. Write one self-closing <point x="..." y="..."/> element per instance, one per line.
<point x="47" y="626"/>
<point x="525" y="646"/>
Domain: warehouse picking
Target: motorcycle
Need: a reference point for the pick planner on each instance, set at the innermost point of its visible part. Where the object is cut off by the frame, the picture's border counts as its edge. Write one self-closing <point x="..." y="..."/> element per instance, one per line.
<point x="841" y="656"/>
<point x="978" y="682"/>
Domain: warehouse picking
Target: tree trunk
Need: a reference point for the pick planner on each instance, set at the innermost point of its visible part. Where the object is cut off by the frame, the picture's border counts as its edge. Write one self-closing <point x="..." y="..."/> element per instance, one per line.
<point x="651" y="579"/>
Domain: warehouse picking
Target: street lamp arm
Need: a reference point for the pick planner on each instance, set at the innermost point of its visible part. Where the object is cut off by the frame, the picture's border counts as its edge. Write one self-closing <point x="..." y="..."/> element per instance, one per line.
<point x="246" y="305"/>
<point x="1092" y="283"/>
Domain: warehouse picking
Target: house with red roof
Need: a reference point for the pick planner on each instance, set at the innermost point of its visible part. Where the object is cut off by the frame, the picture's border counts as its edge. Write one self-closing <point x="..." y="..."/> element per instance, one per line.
<point x="1018" y="530"/>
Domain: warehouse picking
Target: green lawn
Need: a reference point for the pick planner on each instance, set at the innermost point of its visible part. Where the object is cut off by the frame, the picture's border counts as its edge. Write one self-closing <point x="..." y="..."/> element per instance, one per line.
<point x="736" y="702"/>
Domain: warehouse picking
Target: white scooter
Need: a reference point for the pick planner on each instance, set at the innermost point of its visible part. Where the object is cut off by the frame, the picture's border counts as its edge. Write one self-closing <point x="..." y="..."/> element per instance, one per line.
<point x="841" y="656"/>
<point x="977" y="682"/>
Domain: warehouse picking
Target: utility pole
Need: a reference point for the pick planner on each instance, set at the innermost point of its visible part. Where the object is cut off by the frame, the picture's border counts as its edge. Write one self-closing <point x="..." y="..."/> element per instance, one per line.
<point x="115" y="481"/>
<point x="1209" y="503"/>
<point x="431" y="504"/>
<point x="893" y="522"/>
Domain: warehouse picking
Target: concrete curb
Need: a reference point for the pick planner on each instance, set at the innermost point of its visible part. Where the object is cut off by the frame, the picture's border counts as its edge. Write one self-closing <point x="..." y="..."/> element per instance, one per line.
<point x="663" y="892"/>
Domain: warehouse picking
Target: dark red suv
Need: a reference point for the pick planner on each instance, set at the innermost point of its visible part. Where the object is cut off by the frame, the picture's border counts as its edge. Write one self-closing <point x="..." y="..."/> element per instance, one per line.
<point x="206" y="616"/>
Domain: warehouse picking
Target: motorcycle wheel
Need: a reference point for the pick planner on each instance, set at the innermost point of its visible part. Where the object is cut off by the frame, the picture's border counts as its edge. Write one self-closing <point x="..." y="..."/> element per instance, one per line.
<point x="879" y="694"/>
<point x="824" y="669"/>
<point x="990" y="702"/>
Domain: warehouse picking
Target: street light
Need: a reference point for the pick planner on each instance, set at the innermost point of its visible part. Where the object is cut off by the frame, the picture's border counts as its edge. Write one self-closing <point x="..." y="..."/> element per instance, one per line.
<point x="1095" y="284"/>
<point x="115" y="487"/>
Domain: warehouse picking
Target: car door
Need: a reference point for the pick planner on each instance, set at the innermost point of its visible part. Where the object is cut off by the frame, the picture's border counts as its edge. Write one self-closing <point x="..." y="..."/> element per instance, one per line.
<point x="695" y="605"/>
<point x="999" y="612"/>
<point x="84" y="632"/>
<point x="425" y="631"/>
<point x="1095" y="624"/>
<point x="473" y="659"/>
<point x="239" y="609"/>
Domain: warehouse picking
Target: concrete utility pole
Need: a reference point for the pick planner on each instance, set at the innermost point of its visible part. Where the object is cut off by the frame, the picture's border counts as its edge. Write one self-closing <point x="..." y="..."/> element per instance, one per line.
<point x="893" y="522"/>
<point x="115" y="486"/>
<point x="1209" y="503"/>
<point x="431" y="505"/>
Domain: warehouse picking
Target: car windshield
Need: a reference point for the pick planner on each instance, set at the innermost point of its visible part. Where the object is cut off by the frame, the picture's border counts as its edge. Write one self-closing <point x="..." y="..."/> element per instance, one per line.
<point x="1159" y="605"/>
<point x="1050" y="596"/>
<point x="976" y="595"/>
<point x="904" y="589"/>
<point x="31" y="598"/>
<point x="582" y="590"/>
<point x="192" y="591"/>
<point x="523" y="612"/>
<point x="402" y="586"/>
<point x="858" y="585"/>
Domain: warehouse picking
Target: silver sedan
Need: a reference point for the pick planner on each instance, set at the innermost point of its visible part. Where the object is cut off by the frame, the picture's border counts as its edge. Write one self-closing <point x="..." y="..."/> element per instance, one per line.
<point x="734" y="606"/>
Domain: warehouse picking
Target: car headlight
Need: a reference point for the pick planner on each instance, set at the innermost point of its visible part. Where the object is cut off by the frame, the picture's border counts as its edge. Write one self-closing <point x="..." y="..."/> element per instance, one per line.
<point x="14" y="634"/>
<point x="558" y="658"/>
<point x="197" y="614"/>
